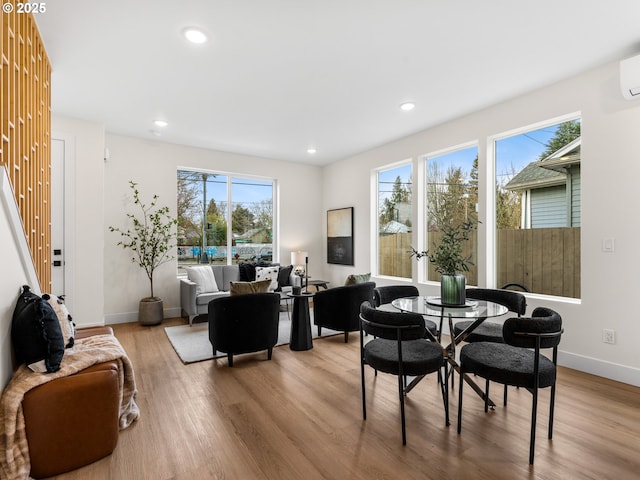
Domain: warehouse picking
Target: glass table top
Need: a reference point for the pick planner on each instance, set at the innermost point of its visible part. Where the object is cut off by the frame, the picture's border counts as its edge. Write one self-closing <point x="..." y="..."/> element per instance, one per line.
<point x="430" y="306"/>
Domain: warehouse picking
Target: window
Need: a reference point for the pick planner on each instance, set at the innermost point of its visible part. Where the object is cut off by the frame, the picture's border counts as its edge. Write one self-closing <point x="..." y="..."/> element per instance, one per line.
<point x="538" y="209"/>
<point x="452" y="198"/>
<point x="223" y="219"/>
<point x="394" y="221"/>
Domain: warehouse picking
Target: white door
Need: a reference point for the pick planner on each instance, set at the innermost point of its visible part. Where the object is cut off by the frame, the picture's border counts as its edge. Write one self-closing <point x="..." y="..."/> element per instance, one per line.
<point x="57" y="217"/>
<point x="62" y="217"/>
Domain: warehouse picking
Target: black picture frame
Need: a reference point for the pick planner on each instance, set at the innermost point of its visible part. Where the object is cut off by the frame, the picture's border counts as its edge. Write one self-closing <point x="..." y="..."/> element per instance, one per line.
<point x="340" y="236"/>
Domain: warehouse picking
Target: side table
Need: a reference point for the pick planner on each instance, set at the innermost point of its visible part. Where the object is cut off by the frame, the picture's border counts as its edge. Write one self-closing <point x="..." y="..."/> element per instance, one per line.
<point x="300" y="322"/>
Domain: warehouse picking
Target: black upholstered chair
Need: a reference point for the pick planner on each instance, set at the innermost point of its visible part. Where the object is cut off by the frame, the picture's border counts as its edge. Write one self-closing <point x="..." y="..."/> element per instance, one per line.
<point x="384" y="295"/>
<point x="400" y="348"/>
<point x="388" y="293"/>
<point x="244" y="323"/>
<point x="492" y="331"/>
<point x="339" y="308"/>
<point x="518" y="361"/>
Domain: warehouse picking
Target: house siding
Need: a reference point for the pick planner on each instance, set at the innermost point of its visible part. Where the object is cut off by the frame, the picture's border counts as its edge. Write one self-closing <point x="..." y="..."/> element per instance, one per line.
<point x="548" y="207"/>
<point x="576" y="199"/>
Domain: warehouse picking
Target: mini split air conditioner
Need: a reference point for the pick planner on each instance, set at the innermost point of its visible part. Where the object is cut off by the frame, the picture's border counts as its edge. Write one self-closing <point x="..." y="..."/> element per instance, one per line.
<point x="630" y="77"/>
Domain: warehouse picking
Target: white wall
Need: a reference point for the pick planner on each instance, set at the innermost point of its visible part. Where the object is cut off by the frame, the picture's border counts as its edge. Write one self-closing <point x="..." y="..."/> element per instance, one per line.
<point x="153" y="166"/>
<point x="610" y="171"/>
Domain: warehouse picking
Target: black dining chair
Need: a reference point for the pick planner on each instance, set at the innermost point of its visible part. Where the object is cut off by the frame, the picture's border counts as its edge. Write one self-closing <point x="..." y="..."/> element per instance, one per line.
<point x="516" y="302"/>
<point x="399" y="348"/>
<point x="384" y="295"/>
<point x="518" y="361"/>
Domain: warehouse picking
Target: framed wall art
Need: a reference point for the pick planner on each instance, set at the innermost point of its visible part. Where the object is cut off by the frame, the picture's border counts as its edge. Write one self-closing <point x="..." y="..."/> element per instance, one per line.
<point x="340" y="236"/>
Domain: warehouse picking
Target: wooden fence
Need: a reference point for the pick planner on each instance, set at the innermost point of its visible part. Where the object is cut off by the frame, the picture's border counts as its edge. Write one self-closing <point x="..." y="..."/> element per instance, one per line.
<point x="545" y="260"/>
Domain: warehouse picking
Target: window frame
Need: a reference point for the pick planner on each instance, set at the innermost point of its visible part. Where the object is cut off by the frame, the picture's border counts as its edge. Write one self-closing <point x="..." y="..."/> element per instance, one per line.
<point x="230" y="177"/>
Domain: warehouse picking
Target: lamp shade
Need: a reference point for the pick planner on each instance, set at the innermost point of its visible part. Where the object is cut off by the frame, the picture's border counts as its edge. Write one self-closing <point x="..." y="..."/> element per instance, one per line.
<point x="299" y="258"/>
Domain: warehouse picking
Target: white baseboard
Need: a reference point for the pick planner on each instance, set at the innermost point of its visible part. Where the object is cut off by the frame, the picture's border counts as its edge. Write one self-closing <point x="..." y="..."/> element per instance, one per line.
<point x="601" y="368"/>
<point x="131" y="317"/>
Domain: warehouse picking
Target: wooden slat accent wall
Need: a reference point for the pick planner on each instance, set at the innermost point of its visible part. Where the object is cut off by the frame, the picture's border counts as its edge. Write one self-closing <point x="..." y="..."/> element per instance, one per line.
<point x="25" y="109"/>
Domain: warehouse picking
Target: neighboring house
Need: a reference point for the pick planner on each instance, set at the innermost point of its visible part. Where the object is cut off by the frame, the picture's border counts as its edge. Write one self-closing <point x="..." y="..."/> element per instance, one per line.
<point x="550" y="189"/>
<point x="393" y="227"/>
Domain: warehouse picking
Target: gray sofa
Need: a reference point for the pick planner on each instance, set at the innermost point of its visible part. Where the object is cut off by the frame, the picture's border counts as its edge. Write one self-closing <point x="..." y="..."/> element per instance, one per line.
<point x="193" y="303"/>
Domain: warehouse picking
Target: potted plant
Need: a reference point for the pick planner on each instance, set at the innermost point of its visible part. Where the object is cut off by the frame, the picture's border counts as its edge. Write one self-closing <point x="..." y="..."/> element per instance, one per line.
<point x="450" y="262"/>
<point x="150" y="240"/>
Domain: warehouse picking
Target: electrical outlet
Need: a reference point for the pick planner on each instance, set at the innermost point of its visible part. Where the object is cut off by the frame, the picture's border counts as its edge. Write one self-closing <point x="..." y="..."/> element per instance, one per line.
<point x="608" y="336"/>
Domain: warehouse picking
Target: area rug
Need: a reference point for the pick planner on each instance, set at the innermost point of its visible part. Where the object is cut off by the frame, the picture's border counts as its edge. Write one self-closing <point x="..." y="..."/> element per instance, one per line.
<point x="192" y="343"/>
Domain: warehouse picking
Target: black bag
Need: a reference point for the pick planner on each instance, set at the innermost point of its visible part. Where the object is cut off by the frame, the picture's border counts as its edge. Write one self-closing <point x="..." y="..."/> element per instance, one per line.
<point x="35" y="332"/>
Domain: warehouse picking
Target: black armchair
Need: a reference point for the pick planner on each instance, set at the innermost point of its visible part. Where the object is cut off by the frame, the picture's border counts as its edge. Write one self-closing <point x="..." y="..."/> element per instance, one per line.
<point x="244" y="323"/>
<point x="339" y="308"/>
<point x="518" y="361"/>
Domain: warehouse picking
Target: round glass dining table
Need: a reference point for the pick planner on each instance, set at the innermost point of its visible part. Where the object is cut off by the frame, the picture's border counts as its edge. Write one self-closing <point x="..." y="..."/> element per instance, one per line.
<point x="476" y="310"/>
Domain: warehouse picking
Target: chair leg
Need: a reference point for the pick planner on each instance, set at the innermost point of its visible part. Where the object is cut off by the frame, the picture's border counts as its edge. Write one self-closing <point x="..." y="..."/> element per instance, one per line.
<point x="534" y="412"/>
<point x="319" y="331"/>
<point x="445" y="395"/>
<point x="461" y="375"/>
<point x="552" y="402"/>
<point x="401" y="395"/>
<point x="364" y="402"/>
<point x="505" y="396"/>
<point x="230" y="359"/>
<point x="486" y="397"/>
<point x="346" y="337"/>
<point x="269" y="353"/>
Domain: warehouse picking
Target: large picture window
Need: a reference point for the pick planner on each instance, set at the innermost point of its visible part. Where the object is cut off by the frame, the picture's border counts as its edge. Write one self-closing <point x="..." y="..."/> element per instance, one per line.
<point x="452" y="198"/>
<point x="538" y="209"/>
<point x="223" y="218"/>
<point x="394" y="221"/>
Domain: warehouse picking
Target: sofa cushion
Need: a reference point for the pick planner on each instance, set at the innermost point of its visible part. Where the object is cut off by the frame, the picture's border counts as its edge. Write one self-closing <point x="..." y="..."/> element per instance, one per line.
<point x="205" y="298"/>
<point x="268" y="273"/>
<point x="358" y="278"/>
<point x="204" y="279"/>
<point x="35" y="332"/>
<point x="259" y="286"/>
<point x="230" y="273"/>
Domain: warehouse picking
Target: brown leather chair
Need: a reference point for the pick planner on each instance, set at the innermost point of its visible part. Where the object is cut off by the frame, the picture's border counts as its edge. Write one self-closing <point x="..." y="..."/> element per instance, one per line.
<point x="73" y="421"/>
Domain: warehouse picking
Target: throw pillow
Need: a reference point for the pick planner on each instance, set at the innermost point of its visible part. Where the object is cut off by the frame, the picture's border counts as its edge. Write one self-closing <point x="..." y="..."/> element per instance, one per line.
<point x="204" y="279"/>
<point x="67" y="327"/>
<point x="358" y="278"/>
<point x="35" y="332"/>
<point x="268" y="273"/>
<point x="284" y="279"/>
<point x="247" y="271"/>
<point x="259" y="286"/>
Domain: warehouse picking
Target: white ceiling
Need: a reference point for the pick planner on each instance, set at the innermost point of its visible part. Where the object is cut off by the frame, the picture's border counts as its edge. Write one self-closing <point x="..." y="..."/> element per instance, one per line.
<point x="279" y="76"/>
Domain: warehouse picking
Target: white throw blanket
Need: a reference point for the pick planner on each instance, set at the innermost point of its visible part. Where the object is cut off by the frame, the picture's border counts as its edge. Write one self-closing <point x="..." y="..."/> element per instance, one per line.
<point x="14" y="450"/>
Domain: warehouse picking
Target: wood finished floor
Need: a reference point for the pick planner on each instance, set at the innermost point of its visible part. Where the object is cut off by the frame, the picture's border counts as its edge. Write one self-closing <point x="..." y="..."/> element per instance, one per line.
<point x="299" y="416"/>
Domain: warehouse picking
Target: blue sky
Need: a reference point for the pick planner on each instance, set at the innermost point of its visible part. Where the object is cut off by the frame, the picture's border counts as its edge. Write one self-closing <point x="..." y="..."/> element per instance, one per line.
<point x="512" y="154"/>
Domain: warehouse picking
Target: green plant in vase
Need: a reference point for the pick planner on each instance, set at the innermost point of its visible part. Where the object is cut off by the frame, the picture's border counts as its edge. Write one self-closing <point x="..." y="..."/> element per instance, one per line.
<point x="449" y="261"/>
<point x="150" y="239"/>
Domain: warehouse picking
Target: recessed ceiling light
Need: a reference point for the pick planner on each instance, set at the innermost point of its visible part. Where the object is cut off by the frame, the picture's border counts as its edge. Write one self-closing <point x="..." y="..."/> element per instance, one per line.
<point x="311" y="151"/>
<point x="160" y="123"/>
<point x="194" y="35"/>
<point x="155" y="133"/>
<point x="407" y="106"/>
